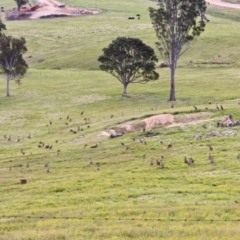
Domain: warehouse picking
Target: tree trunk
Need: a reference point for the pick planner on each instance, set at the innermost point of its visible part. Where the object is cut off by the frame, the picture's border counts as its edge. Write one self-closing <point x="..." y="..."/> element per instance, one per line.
<point x="124" y="94"/>
<point x="172" y="85"/>
<point x="7" y="87"/>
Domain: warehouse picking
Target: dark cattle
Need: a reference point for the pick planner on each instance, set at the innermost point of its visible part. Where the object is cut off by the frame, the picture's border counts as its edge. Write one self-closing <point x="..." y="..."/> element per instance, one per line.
<point x="131" y="18"/>
<point x="138" y="15"/>
<point x="23" y="181"/>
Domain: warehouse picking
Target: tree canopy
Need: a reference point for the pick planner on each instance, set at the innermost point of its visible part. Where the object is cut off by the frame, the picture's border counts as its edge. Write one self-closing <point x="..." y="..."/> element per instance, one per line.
<point x="2" y="27"/>
<point x="178" y="24"/>
<point x="129" y="60"/>
<point x="11" y="60"/>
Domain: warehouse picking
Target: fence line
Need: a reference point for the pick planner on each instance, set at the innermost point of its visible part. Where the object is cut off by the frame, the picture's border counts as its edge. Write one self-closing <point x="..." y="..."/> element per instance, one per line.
<point x="124" y="219"/>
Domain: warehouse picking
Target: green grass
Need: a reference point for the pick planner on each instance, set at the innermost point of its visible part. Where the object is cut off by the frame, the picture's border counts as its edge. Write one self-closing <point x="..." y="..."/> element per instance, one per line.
<point x="178" y="201"/>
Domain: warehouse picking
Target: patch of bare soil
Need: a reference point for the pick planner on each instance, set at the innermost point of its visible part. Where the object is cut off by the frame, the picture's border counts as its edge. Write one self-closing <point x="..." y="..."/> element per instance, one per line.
<point x="159" y="120"/>
<point x="163" y="120"/>
<point x="47" y="9"/>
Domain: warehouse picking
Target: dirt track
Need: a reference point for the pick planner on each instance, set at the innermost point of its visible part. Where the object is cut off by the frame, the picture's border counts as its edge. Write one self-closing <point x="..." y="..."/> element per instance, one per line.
<point x="49" y="7"/>
<point x="223" y="4"/>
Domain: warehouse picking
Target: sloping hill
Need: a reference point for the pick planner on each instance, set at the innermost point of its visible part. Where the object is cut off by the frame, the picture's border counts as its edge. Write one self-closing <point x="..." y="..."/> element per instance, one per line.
<point x="82" y="184"/>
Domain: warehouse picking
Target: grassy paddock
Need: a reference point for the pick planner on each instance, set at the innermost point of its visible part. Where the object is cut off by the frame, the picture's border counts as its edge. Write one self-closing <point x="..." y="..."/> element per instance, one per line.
<point x="179" y="202"/>
<point x="62" y="43"/>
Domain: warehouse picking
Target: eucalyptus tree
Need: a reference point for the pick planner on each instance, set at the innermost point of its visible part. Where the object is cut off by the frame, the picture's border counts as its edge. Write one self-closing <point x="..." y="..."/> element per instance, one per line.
<point x="11" y="59"/>
<point x="178" y="24"/>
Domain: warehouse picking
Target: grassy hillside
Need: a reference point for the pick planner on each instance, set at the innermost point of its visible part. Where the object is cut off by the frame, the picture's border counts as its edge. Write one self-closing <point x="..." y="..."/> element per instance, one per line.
<point x="127" y="198"/>
<point x="62" y="43"/>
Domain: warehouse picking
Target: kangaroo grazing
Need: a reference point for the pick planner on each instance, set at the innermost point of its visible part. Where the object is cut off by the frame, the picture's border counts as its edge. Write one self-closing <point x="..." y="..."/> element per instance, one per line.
<point x="23" y="181"/>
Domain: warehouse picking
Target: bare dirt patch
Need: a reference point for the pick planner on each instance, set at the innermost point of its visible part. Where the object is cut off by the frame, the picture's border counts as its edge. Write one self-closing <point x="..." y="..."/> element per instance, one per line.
<point x="159" y="120"/>
<point x="163" y="120"/>
<point x="48" y="9"/>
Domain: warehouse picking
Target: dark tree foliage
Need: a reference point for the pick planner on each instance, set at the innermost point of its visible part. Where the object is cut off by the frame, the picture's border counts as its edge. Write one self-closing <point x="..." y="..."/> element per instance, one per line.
<point x="130" y="61"/>
<point x="2" y="27"/>
<point x="21" y="3"/>
<point x="178" y="24"/>
<point x="11" y="60"/>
